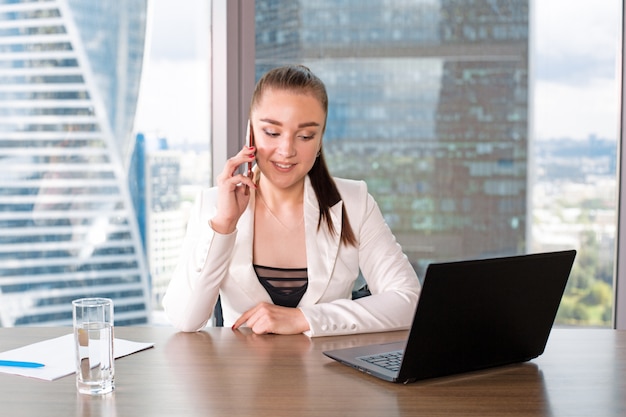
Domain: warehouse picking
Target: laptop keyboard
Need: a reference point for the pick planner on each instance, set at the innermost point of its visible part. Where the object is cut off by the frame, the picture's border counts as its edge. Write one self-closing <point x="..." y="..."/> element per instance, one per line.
<point x="387" y="360"/>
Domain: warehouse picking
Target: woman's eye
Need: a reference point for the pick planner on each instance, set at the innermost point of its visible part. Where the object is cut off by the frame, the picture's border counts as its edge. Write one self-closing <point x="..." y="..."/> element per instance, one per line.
<point x="307" y="137"/>
<point x="271" y="134"/>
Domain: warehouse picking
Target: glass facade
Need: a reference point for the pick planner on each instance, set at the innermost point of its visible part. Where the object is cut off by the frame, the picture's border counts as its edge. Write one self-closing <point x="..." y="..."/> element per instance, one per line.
<point x="69" y="79"/>
<point x="428" y="104"/>
<point x="431" y="104"/>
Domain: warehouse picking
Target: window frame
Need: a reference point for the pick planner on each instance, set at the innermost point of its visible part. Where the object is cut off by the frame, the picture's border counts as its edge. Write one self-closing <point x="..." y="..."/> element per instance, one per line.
<point x="232" y="77"/>
<point x="619" y="283"/>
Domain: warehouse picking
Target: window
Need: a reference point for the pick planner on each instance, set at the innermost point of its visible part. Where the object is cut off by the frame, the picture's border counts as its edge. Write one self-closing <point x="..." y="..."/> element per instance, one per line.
<point x="481" y="128"/>
<point x="67" y="223"/>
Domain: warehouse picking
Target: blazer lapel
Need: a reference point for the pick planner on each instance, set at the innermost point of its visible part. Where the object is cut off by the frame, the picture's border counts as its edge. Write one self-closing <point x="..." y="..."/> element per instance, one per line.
<point x="322" y="246"/>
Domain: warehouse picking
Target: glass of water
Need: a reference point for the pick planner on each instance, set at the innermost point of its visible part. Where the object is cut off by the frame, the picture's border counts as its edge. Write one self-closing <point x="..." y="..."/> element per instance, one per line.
<point x="93" y="337"/>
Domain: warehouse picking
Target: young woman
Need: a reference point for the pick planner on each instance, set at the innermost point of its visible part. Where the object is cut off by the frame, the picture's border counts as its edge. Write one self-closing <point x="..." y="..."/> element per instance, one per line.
<point x="285" y="247"/>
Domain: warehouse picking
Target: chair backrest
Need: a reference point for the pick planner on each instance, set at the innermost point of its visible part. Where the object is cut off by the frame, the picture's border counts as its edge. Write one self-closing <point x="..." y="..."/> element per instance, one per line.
<point x="218" y="318"/>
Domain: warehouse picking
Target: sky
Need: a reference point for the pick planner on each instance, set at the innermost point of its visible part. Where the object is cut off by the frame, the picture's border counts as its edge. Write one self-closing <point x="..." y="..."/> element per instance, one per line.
<point x="574" y="64"/>
<point x="574" y="46"/>
<point x="174" y="92"/>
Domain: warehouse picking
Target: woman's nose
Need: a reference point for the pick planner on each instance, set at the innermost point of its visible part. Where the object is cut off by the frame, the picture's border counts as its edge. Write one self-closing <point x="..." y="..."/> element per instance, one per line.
<point x="286" y="148"/>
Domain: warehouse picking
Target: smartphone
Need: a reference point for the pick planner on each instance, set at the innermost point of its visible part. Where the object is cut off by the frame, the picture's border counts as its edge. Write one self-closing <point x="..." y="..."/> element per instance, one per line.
<point x="250" y="139"/>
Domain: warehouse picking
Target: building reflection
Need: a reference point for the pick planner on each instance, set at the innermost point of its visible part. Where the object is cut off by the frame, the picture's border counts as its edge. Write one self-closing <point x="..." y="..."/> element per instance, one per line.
<point x="428" y="104"/>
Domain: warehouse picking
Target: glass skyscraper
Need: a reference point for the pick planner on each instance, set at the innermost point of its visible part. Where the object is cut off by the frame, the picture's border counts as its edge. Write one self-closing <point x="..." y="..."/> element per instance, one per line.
<point x="428" y="104"/>
<point x="69" y="81"/>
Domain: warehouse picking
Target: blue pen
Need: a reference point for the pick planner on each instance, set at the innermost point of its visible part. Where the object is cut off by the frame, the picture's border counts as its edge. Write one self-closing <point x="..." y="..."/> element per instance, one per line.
<point x="21" y="364"/>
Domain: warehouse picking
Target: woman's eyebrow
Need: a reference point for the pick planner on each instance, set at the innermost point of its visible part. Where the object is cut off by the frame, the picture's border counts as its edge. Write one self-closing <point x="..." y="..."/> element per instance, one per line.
<point x="271" y="121"/>
<point x="301" y="125"/>
<point x="308" y="124"/>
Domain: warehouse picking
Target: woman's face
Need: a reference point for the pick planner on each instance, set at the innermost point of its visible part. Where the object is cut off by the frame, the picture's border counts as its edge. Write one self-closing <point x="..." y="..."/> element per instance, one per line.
<point x="288" y="131"/>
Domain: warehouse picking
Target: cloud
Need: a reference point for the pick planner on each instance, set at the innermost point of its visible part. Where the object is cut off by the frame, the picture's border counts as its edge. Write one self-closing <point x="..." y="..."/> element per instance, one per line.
<point x="576" y="40"/>
<point x="174" y="101"/>
<point x="566" y="111"/>
<point x="175" y="89"/>
<point x="178" y="28"/>
<point x="576" y="45"/>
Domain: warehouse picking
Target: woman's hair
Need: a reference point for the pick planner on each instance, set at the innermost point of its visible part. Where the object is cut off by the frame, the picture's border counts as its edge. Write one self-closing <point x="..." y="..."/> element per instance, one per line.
<point x="300" y="79"/>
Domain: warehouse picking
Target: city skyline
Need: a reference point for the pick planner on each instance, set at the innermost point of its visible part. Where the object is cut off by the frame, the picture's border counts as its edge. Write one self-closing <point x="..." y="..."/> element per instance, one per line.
<point x="568" y="44"/>
<point x="441" y="140"/>
<point x="67" y="103"/>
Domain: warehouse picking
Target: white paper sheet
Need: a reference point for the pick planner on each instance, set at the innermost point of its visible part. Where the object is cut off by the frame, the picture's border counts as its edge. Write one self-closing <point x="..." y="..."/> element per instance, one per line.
<point x="58" y="356"/>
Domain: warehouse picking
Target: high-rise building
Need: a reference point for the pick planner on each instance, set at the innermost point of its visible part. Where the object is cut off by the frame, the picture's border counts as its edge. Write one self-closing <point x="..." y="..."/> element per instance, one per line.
<point x="69" y="81"/>
<point x="165" y="220"/>
<point x="428" y="104"/>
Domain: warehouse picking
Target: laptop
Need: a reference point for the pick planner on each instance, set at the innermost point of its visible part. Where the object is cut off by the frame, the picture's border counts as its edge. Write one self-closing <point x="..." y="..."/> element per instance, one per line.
<point x="472" y="315"/>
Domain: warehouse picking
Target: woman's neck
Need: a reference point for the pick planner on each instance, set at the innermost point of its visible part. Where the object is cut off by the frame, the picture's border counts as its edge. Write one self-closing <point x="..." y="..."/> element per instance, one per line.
<point x="280" y="198"/>
<point x="279" y="239"/>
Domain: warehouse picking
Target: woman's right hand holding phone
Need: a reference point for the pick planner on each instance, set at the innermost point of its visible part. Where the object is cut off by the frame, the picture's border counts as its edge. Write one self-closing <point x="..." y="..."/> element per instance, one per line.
<point x="233" y="192"/>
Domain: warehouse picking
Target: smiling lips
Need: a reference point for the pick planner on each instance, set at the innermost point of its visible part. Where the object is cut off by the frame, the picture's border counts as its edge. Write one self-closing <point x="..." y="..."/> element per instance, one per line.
<point x="283" y="166"/>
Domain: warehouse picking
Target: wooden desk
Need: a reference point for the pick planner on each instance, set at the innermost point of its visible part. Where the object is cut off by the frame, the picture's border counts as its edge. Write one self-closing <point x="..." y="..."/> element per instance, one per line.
<point x="224" y="373"/>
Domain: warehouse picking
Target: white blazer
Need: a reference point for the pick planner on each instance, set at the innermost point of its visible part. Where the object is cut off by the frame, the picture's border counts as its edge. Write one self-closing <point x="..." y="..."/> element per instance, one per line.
<point x="213" y="264"/>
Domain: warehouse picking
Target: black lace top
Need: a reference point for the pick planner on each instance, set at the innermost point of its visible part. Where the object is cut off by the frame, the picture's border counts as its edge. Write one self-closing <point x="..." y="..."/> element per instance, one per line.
<point x="286" y="286"/>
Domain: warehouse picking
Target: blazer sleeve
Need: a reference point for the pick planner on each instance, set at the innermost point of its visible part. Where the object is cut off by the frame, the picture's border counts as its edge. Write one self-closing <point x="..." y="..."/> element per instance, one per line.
<point x="194" y="287"/>
<point x="390" y="277"/>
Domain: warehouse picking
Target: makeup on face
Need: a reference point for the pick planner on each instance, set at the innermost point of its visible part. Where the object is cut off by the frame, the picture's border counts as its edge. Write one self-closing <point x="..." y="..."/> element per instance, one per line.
<point x="289" y="129"/>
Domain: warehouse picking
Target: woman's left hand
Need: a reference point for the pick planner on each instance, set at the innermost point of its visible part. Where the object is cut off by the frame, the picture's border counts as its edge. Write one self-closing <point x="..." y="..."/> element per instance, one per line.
<point x="269" y="318"/>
